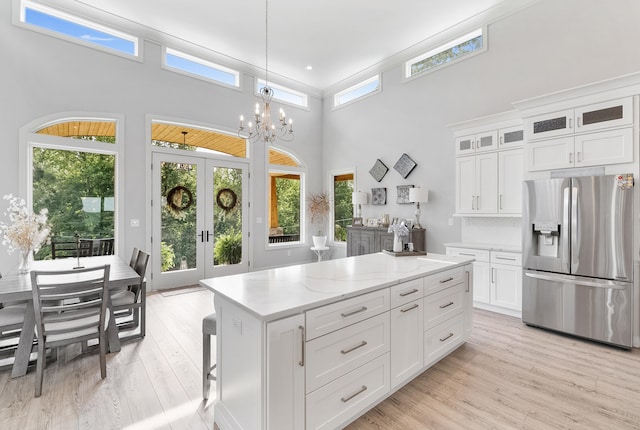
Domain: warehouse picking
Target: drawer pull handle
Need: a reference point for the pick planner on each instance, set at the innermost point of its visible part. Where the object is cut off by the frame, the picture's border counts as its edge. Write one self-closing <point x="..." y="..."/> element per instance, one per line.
<point x="466" y="254"/>
<point x="446" y="306"/>
<point x="446" y="280"/>
<point x="415" y="305"/>
<point x="360" y="391"/>
<point x="357" y="311"/>
<point x="301" y="362"/>
<point x="442" y="339"/>
<point x="353" y="348"/>
<point x="408" y="292"/>
<point x="505" y="258"/>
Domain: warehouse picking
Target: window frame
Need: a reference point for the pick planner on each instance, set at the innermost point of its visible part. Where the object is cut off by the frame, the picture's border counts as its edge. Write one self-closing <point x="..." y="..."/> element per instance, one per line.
<point x="29" y="139"/>
<point x="301" y="170"/>
<point x="450" y="43"/>
<point x="166" y="50"/>
<point x="354" y="88"/>
<point x="259" y="83"/>
<point x="331" y="175"/>
<point x="19" y="19"/>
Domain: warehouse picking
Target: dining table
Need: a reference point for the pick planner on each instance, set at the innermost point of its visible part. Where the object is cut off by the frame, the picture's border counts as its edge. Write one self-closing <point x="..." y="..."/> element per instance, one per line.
<point x="16" y="287"/>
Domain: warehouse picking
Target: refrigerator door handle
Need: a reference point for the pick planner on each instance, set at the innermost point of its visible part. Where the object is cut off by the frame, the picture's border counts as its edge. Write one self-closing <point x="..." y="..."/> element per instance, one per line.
<point x="574" y="229"/>
<point x="575" y="280"/>
<point x="565" y="229"/>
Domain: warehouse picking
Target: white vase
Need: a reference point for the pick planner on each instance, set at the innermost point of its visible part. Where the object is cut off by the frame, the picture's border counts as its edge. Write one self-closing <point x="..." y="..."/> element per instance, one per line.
<point x="397" y="243"/>
<point x="26" y="258"/>
<point x="319" y="241"/>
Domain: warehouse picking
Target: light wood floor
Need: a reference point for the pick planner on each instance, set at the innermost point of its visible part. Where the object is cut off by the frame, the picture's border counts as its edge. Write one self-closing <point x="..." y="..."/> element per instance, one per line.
<point x="507" y="376"/>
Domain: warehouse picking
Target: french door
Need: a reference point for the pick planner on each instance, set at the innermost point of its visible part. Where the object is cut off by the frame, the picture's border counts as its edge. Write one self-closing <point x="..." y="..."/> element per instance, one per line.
<point x="200" y="213"/>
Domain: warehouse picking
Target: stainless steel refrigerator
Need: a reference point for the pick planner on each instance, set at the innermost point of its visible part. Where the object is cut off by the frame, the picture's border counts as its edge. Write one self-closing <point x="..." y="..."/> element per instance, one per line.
<point x="578" y="256"/>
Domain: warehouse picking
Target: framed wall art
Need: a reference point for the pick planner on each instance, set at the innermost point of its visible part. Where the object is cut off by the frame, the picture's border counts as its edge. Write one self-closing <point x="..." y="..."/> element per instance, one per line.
<point x="378" y="170"/>
<point x="403" y="194"/>
<point x="405" y="165"/>
<point x="378" y="196"/>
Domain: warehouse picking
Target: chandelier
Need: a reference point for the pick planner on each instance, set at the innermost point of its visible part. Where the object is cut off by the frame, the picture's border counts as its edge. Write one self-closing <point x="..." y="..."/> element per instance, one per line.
<point x="265" y="128"/>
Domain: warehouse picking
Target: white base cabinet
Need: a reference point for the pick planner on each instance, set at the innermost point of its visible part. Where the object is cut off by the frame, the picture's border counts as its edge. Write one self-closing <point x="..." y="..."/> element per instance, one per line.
<point x="326" y="366"/>
<point x="497" y="279"/>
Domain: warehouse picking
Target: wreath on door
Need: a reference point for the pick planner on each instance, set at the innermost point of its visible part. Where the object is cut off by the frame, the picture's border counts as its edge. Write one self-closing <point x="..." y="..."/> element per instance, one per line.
<point x="226" y="199"/>
<point x="176" y="203"/>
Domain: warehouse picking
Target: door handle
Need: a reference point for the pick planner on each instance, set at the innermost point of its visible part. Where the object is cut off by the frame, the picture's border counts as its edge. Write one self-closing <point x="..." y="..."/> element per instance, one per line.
<point x="201" y="236"/>
<point x="301" y="362"/>
<point x="208" y="235"/>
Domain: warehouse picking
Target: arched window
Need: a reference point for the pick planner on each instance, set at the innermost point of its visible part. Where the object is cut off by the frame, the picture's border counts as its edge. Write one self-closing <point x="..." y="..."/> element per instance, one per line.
<point x="285" y="202"/>
<point x="72" y="172"/>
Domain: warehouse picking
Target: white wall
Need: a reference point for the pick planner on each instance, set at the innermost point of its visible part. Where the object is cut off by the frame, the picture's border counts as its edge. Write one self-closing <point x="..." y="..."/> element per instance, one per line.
<point x="43" y="75"/>
<point x="549" y="46"/>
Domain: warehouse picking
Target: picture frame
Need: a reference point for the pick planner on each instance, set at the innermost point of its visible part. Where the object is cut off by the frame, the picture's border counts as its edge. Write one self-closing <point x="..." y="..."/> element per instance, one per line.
<point x="372" y="222"/>
<point x="378" y="170"/>
<point x="356" y="222"/>
<point x="405" y="165"/>
<point x="403" y="194"/>
<point x="378" y="196"/>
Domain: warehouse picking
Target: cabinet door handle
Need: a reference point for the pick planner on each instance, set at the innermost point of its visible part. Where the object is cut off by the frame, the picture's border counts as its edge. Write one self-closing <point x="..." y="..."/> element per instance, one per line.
<point x="570" y="123"/>
<point x="446" y="306"/>
<point x="473" y="144"/>
<point x="500" y="140"/>
<point x="477" y="203"/>
<point x="406" y="293"/>
<point x="353" y="348"/>
<point x="301" y="362"/>
<point x="442" y="339"/>
<point x="357" y="311"/>
<point x="578" y="121"/>
<point x="468" y="280"/>
<point x="500" y="201"/>
<point x="444" y="281"/>
<point x="578" y="157"/>
<point x="571" y="157"/>
<point x="415" y="305"/>
<point x="361" y="390"/>
<point x="493" y="271"/>
<point x="472" y="199"/>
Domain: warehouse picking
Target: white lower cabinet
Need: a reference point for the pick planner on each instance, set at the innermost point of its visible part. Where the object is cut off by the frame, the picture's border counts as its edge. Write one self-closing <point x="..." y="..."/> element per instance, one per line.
<point x="286" y="375"/>
<point x="497" y="279"/>
<point x="442" y="339"/>
<point x="406" y="341"/>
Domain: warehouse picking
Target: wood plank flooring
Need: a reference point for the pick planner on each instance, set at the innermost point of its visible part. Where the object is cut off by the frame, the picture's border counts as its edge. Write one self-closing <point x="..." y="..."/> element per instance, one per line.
<point x="507" y="376"/>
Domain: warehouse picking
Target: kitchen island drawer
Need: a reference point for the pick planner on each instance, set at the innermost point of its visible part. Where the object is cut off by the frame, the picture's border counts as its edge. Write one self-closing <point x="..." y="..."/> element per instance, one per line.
<point x="442" y="339"/>
<point x="337" y="403"/>
<point x="443" y="305"/>
<point x="442" y="280"/>
<point x="406" y="292"/>
<point x="337" y="353"/>
<point x="335" y="316"/>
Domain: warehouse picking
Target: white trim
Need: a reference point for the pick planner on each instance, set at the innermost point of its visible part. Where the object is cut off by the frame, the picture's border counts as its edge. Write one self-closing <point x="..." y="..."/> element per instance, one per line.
<point x="171" y="51"/>
<point x="18" y="19"/>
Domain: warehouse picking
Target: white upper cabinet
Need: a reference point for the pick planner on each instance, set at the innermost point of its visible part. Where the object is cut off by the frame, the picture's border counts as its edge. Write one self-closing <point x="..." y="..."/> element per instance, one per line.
<point x="480" y="142"/>
<point x="593" y="117"/>
<point x="511" y="137"/>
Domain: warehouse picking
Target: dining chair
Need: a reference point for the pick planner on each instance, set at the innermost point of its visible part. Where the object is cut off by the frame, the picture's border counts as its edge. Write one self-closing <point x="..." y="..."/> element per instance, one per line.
<point x="69" y="248"/>
<point x="11" y="320"/>
<point x="129" y="306"/>
<point x="70" y="307"/>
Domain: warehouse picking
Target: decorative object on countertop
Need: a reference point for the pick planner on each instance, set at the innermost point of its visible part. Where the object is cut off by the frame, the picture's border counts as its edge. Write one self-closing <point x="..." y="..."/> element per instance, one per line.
<point x="404" y="165"/>
<point x="403" y="194"/>
<point x="357" y="222"/>
<point x="26" y="232"/>
<point x="358" y="198"/>
<point x="385" y="220"/>
<point x="404" y="253"/>
<point x="378" y="170"/>
<point x="378" y="196"/>
<point x="399" y="231"/>
<point x="319" y="206"/>
<point x="418" y="195"/>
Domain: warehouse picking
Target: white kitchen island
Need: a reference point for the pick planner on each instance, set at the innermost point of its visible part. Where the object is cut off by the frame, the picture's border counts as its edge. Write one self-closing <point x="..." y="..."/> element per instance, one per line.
<point x="314" y="346"/>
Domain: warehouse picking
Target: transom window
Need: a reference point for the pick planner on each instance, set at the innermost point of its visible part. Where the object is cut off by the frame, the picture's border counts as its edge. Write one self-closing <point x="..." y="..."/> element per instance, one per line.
<point x="197" y="67"/>
<point x="284" y="94"/>
<point x="357" y="91"/>
<point x="454" y="50"/>
<point x="78" y="30"/>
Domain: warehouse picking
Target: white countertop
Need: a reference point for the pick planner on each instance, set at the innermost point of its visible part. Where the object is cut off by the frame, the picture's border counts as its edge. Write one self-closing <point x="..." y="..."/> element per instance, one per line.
<point x="276" y="293"/>
<point x="486" y="246"/>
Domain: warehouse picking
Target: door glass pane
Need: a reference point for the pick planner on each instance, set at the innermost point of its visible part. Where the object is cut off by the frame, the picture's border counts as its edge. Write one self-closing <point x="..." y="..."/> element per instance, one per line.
<point x="178" y="225"/>
<point x="342" y="206"/>
<point x="227" y="216"/>
<point x="485" y="141"/>
<point x="284" y="207"/>
<point x="77" y="189"/>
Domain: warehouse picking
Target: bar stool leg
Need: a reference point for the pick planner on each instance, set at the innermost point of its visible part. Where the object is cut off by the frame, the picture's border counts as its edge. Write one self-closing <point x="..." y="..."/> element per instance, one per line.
<point x="206" y="365"/>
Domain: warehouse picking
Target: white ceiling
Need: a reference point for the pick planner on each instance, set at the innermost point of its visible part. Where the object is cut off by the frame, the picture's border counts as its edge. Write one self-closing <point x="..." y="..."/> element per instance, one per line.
<point x="338" y="38"/>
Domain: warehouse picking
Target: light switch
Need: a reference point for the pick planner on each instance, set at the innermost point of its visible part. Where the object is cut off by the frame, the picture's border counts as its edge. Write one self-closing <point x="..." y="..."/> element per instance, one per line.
<point x="134" y="222"/>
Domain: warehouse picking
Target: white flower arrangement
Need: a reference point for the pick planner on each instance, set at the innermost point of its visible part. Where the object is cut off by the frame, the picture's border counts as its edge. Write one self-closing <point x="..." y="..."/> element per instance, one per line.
<point x="26" y="231"/>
